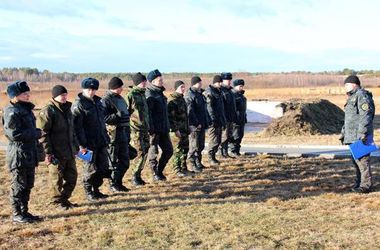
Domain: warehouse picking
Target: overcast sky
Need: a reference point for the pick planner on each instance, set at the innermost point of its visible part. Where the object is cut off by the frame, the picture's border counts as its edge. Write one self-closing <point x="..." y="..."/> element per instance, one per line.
<point x="190" y="35"/>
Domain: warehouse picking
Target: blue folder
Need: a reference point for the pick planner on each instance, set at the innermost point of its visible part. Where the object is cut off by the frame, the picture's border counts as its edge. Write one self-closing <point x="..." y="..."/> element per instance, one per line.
<point x="359" y="149"/>
<point x="87" y="157"/>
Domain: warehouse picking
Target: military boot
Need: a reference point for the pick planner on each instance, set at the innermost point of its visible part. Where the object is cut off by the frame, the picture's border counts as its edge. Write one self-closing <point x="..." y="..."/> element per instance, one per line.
<point x="90" y="196"/>
<point x="223" y="153"/>
<point x="25" y="212"/>
<point x="198" y="162"/>
<point x="99" y="194"/>
<point x="137" y="180"/>
<point x="18" y="217"/>
<point x="194" y="165"/>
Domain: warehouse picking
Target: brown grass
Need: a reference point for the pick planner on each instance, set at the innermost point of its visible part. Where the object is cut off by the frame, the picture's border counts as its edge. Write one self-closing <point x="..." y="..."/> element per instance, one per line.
<point x="258" y="202"/>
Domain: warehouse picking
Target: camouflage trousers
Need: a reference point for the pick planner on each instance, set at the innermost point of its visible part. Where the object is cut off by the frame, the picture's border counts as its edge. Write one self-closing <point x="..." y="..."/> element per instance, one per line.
<point x="95" y="171"/>
<point x="159" y="140"/>
<point x="237" y="136"/>
<point x="140" y="141"/>
<point x="181" y="148"/>
<point x="22" y="182"/>
<point x="215" y="136"/>
<point x="196" y="143"/>
<point x="363" y="172"/>
<point x="63" y="179"/>
<point x="226" y="136"/>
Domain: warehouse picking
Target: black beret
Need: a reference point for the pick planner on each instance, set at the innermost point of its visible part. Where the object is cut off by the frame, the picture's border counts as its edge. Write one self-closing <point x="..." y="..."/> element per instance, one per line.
<point x="217" y="78"/>
<point x="352" y="79"/>
<point x="226" y="76"/>
<point x="153" y="75"/>
<point x="90" y="83"/>
<point x="238" y="82"/>
<point x="115" y="83"/>
<point x="177" y="84"/>
<point x="58" y="90"/>
<point x="138" y="78"/>
<point x="17" y="88"/>
<point x="195" y="80"/>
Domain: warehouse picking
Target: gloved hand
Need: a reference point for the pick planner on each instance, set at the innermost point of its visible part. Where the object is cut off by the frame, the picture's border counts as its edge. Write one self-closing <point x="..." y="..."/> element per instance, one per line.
<point x="364" y="140"/>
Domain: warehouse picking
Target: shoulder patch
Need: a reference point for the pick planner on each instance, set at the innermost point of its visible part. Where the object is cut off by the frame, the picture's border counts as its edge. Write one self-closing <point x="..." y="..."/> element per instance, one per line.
<point x="364" y="106"/>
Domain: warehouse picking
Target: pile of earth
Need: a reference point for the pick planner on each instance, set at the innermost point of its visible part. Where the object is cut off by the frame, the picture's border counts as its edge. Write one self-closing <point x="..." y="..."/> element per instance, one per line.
<point x="307" y="117"/>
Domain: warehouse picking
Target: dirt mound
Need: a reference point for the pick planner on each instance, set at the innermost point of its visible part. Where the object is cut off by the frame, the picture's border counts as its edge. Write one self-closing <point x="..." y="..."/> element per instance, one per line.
<point x="307" y="117"/>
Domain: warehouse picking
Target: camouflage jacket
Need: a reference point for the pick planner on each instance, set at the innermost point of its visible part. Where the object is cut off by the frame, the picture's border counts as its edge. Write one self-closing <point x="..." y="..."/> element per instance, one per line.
<point x="138" y="109"/>
<point x="241" y="107"/>
<point x="215" y="106"/>
<point x="229" y="104"/>
<point x="359" y="113"/>
<point x="20" y="129"/>
<point x="177" y="111"/>
<point x="57" y="121"/>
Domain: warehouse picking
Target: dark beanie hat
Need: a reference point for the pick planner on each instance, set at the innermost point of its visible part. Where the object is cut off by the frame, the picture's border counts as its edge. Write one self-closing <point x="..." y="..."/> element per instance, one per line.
<point x="352" y="79"/>
<point x="58" y="90"/>
<point x="226" y="76"/>
<point x="138" y="78"/>
<point x="153" y="75"/>
<point x="217" y="78"/>
<point x="90" y="83"/>
<point x="115" y="83"/>
<point x="238" y="82"/>
<point x="17" y="88"/>
<point x="195" y="80"/>
<point x="177" y="84"/>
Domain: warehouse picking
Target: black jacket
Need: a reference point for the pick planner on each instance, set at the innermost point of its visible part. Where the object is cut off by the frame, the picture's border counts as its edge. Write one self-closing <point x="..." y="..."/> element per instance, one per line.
<point x="158" y="110"/>
<point x="20" y="129"/>
<point x="215" y="106"/>
<point x="116" y="116"/>
<point x="196" y="108"/>
<point x="229" y="104"/>
<point x="241" y="107"/>
<point x="89" y="124"/>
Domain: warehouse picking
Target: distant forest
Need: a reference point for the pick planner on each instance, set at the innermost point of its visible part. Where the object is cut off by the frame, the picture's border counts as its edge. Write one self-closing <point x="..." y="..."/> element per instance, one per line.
<point x="262" y="79"/>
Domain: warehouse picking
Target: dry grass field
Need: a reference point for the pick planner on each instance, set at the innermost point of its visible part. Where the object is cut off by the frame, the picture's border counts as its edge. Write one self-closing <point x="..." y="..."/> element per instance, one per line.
<point x="254" y="203"/>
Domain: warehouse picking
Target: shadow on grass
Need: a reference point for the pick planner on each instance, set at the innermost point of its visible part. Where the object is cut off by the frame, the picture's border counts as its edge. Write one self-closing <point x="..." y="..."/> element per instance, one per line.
<point x="251" y="180"/>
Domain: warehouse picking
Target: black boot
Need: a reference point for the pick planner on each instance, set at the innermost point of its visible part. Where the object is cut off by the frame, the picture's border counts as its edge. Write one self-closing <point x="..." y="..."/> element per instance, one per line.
<point x="25" y="212"/>
<point x="90" y="195"/>
<point x="18" y="216"/>
<point x="137" y="181"/>
<point x="99" y="194"/>
<point x="194" y="166"/>
<point x="198" y="162"/>
<point x="223" y="153"/>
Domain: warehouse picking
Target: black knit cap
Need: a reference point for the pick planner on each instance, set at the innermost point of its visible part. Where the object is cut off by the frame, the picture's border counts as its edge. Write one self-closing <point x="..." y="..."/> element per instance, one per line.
<point x="177" y="84"/>
<point x="217" y="78"/>
<point x="138" y="78"/>
<point x="238" y="82"/>
<point x="195" y="80"/>
<point x="352" y="79"/>
<point x="115" y="83"/>
<point x="226" y="76"/>
<point x="58" y="90"/>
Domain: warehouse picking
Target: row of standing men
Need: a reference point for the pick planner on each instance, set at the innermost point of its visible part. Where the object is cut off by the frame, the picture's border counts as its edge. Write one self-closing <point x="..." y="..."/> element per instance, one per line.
<point x="118" y="130"/>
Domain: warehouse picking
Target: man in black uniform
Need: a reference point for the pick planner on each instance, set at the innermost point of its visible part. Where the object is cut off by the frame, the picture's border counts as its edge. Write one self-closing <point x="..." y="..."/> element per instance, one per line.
<point x="215" y="109"/>
<point x="159" y="125"/>
<point x="241" y="117"/>
<point x="230" y="112"/>
<point x="117" y="121"/>
<point x="198" y="123"/>
<point x="91" y="133"/>
<point x="20" y="129"/>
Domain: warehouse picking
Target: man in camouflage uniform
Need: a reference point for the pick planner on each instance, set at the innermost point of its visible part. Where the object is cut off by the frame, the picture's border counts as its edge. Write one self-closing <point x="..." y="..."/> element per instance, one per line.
<point x="358" y="125"/>
<point x="215" y="109"/>
<point x="230" y="112"/>
<point x="91" y="133"/>
<point x="241" y="117"/>
<point x="159" y="125"/>
<point x="60" y="146"/>
<point x="179" y="126"/>
<point x="117" y="121"/>
<point x="22" y="159"/>
<point x="198" y="123"/>
<point x="139" y="121"/>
